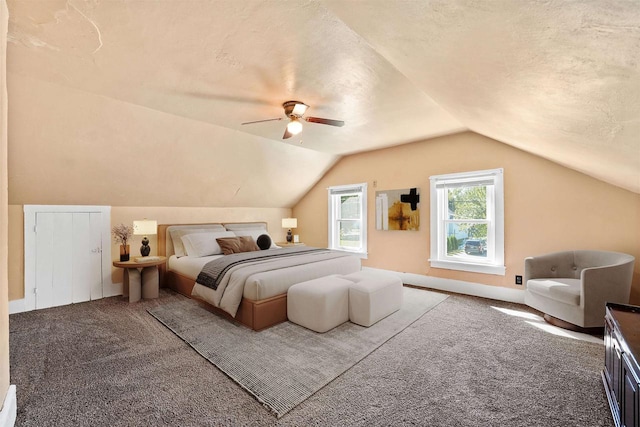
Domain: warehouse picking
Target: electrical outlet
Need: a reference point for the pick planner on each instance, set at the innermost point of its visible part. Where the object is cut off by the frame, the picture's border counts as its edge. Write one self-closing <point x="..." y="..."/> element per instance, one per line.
<point x="518" y="280"/>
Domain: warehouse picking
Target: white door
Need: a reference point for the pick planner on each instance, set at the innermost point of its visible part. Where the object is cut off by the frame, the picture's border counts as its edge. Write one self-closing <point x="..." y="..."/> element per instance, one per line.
<point x="68" y="258"/>
<point x="87" y="257"/>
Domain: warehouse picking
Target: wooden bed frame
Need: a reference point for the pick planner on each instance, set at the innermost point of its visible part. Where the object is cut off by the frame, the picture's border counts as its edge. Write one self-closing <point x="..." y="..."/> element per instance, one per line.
<point x="256" y="315"/>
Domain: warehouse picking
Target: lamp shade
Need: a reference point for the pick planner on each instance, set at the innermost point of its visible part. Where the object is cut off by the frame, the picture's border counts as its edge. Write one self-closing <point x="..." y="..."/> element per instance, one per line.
<point x="145" y="227"/>
<point x="294" y="127"/>
<point x="289" y="222"/>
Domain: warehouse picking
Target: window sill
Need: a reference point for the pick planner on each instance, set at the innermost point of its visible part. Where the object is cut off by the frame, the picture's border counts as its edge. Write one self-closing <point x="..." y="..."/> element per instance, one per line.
<point x="498" y="270"/>
<point x="361" y="255"/>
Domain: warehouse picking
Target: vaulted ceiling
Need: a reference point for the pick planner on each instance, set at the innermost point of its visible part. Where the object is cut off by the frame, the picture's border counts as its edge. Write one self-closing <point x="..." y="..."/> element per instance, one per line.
<point x="121" y="80"/>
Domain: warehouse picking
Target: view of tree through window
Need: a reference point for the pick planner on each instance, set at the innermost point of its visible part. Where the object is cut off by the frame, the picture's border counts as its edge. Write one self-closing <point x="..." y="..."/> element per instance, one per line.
<point x="349" y="220"/>
<point x="466" y="222"/>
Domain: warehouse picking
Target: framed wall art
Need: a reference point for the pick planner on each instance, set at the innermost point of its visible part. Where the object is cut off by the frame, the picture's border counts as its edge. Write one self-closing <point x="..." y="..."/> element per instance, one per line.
<point x="398" y="209"/>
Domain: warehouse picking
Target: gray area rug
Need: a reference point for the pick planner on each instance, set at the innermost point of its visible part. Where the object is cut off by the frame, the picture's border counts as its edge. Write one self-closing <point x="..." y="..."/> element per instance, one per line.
<point x="286" y="364"/>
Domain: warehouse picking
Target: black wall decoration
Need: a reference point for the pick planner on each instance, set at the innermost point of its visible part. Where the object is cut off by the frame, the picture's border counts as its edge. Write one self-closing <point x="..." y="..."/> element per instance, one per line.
<point x="413" y="198"/>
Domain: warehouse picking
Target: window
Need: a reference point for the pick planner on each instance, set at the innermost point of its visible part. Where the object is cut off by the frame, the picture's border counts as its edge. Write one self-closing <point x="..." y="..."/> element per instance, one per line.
<point x="467" y="221"/>
<point x="348" y="218"/>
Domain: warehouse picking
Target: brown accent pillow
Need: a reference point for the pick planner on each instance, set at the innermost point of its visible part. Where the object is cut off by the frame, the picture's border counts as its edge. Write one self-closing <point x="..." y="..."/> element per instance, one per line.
<point x="235" y="245"/>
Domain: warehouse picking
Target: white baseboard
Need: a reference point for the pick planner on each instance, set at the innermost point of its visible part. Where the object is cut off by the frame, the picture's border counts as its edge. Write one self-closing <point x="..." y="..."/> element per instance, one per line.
<point x="460" y="287"/>
<point x="111" y="290"/>
<point x="9" y="408"/>
<point x="16" y="306"/>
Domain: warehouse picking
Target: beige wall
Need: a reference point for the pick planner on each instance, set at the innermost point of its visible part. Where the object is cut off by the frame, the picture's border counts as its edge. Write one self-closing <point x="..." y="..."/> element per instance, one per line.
<point x="16" y="254"/>
<point x="547" y="207"/>
<point x="67" y="146"/>
<point x="4" y="217"/>
<point x="126" y="215"/>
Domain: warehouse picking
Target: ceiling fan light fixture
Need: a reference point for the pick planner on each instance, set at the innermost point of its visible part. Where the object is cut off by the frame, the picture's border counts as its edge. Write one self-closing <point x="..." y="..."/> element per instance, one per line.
<point x="294" y="127"/>
<point x="294" y="110"/>
<point x="299" y="109"/>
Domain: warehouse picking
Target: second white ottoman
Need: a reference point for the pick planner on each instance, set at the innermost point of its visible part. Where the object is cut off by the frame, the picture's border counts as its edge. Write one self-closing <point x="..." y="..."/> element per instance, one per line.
<point x="373" y="297"/>
<point x="319" y="304"/>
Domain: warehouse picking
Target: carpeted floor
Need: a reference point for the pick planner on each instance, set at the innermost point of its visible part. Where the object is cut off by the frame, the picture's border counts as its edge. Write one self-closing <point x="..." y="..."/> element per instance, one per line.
<point x="464" y="363"/>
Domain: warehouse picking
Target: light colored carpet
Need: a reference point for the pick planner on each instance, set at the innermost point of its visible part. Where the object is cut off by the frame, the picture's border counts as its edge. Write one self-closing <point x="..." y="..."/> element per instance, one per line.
<point x="469" y="362"/>
<point x="284" y="365"/>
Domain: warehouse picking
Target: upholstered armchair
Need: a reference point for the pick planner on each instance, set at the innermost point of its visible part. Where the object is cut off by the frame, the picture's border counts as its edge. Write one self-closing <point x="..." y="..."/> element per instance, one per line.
<point x="574" y="286"/>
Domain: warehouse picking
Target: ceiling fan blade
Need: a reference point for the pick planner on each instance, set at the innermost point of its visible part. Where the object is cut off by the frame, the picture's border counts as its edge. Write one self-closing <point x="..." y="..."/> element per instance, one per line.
<point x="260" y="121"/>
<point x="287" y="134"/>
<point x="322" y="121"/>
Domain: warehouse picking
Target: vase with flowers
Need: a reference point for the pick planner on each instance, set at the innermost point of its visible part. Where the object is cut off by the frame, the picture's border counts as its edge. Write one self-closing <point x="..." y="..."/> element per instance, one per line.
<point x="121" y="234"/>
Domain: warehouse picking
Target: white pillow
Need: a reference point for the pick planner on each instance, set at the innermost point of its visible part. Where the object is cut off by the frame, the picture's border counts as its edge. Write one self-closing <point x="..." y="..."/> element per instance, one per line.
<point x="204" y="244"/>
<point x="176" y="238"/>
<point x="255" y="233"/>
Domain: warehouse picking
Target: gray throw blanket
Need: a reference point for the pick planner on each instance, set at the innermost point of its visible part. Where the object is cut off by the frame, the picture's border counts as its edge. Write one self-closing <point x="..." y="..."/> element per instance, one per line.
<point x="213" y="271"/>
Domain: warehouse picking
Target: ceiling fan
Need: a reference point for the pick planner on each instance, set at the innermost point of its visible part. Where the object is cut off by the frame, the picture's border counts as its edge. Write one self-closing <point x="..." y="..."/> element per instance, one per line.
<point x="294" y="110"/>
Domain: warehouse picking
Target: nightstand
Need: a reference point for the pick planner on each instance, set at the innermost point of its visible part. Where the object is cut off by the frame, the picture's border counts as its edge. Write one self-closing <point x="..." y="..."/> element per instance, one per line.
<point x="285" y="244"/>
<point x="141" y="278"/>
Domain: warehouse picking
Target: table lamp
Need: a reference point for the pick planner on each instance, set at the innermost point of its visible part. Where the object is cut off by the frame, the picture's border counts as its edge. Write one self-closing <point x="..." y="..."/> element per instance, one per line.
<point x="145" y="228"/>
<point x="289" y="223"/>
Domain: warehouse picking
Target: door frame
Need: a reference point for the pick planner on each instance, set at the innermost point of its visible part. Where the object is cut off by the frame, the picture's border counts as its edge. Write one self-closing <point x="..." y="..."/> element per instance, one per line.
<point x="30" y="212"/>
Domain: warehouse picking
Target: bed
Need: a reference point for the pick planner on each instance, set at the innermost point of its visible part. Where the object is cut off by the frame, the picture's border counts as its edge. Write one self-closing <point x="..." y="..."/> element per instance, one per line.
<point x="258" y="292"/>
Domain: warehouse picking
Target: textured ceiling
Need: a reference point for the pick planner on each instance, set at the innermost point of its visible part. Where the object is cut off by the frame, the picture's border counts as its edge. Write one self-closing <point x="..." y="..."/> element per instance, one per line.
<point x="560" y="79"/>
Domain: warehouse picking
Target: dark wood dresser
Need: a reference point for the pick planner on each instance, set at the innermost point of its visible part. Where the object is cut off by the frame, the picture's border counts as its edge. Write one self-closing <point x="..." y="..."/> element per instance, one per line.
<point x="621" y="373"/>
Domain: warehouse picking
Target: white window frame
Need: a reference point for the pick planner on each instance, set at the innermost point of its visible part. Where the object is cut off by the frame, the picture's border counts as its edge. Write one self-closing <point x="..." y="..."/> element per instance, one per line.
<point x="494" y="263"/>
<point x="333" y="228"/>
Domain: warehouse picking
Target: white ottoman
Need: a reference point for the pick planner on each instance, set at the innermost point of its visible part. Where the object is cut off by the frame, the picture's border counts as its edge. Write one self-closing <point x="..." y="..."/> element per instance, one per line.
<point x="319" y="304"/>
<point x="373" y="296"/>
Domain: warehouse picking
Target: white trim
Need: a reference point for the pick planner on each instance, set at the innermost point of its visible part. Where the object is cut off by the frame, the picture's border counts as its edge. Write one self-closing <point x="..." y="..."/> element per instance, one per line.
<point x="9" y="408"/>
<point x="347" y="187"/>
<point x="499" y="270"/>
<point x="459" y="287"/>
<point x="30" y="211"/>
<point x="466" y="176"/>
<point x="16" y="306"/>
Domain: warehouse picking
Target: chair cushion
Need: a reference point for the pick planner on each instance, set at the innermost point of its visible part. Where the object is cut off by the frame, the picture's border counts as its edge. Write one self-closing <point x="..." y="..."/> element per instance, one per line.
<point x="563" y="290"/>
